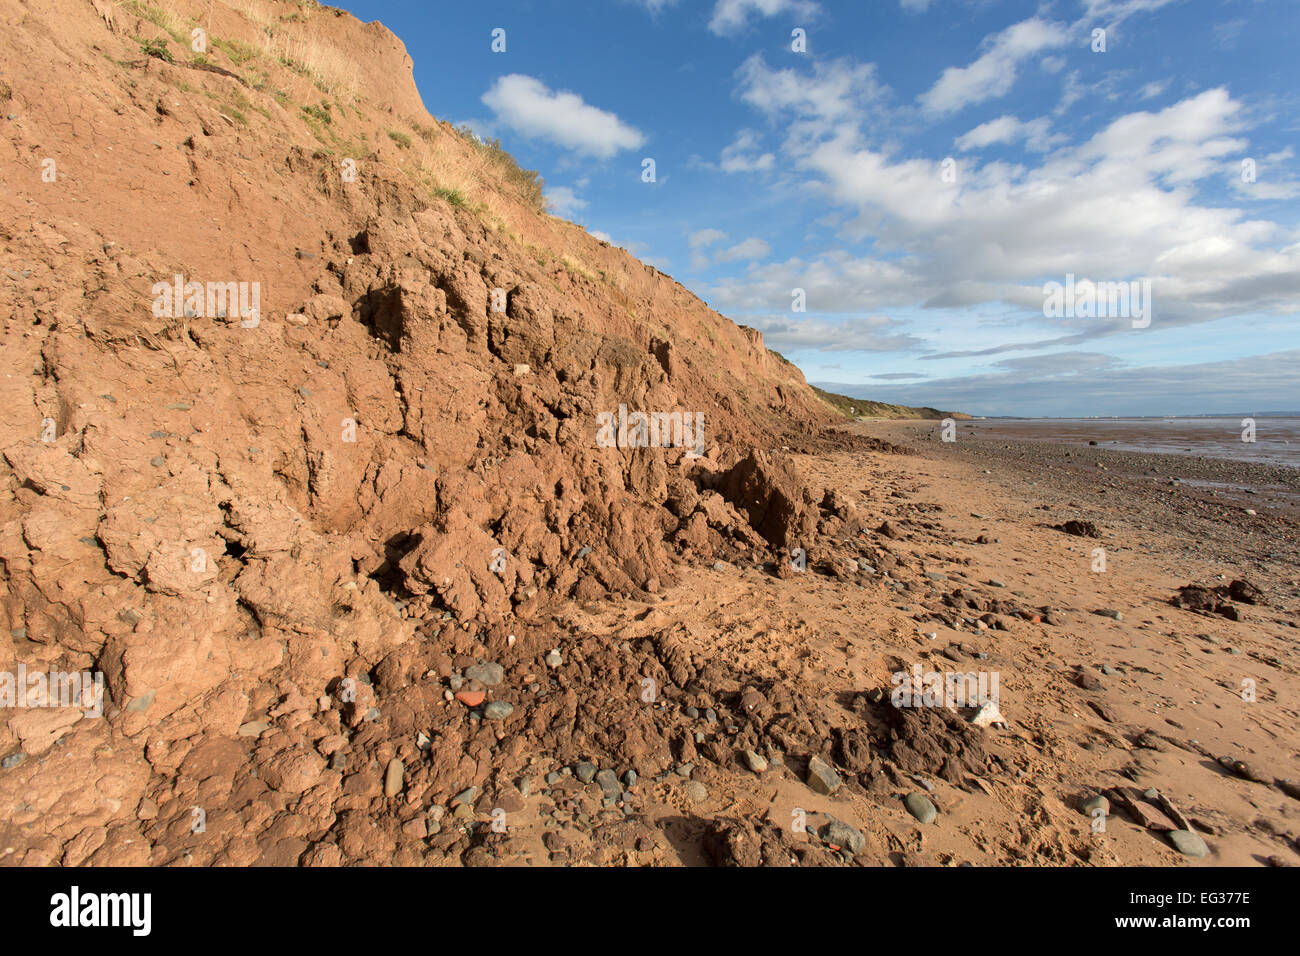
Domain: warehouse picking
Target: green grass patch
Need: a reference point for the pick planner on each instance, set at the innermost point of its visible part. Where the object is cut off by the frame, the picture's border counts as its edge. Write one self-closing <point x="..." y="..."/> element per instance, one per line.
<point x="401" y="139"/>
<point x="157" y="48"/>
<point x="319" y="113"/>
<point x="238" y="51"/>
<point x="453" y="197"/>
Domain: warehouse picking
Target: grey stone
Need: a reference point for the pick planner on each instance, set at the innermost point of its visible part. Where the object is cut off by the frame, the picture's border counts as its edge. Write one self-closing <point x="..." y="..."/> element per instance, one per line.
<point x="607" y="780"/>
<point x="143" y="702"/>
<point x="1188" y="843"/>
<point x="919" y="806"/>
<point x="586" y="772"/>
<point x="822" y="778"/>
<point x="498" y="710"/>
<point x="843" y="835"/>
<point x="489" y="674"/>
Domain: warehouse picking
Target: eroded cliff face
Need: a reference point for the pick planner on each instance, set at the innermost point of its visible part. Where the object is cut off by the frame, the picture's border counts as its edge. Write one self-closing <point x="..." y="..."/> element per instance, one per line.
<point x="278" y="531"/>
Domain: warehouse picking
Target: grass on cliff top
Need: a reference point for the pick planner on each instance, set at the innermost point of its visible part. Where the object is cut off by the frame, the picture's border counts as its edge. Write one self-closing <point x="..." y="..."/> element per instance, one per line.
<point x="527" y="182"/>
<point x="862" y="408"/>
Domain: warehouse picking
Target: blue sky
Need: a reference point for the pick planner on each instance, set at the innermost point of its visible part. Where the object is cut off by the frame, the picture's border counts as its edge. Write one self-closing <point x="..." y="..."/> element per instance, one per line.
<point x="920" y="170"/>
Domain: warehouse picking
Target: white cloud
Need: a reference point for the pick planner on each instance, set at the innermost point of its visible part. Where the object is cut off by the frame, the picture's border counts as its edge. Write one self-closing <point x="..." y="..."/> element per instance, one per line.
<point x="914" y="6"/>
<point x="731" y="16"/>
<point x="994" y="73"/>
<point x="837" y="90"/>
<point x="1153" y="89"/>
<point x="1008" y="129"/>
<point x="700" y="241"/>
<point x="1124" y="203"/>
<point x="875" y="333"/>
<point x="749" y="250"/>
<point x="705" y="237"/>
<point x="528" y="107"/>
<point x="563" y="201"/>
<point x="1115" y="11"/>
<point x="740" y="156"/>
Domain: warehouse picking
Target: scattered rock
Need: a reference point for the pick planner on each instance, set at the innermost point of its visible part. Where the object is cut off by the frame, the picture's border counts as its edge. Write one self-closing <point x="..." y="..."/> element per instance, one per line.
<point x="498" y="710"/>
<point x="840" y="834"/>
<point x="919" y="806"/>
<point x="488" y="674"/>
<point x="1089" y="806"/>
<point x="1188" y="843"/>
<point x="394" y="777"/>
<point x="822" y="778"/>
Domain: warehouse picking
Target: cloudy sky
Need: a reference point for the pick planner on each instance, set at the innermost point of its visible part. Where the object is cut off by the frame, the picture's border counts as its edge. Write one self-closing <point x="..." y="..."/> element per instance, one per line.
<point x="920" y="169"/>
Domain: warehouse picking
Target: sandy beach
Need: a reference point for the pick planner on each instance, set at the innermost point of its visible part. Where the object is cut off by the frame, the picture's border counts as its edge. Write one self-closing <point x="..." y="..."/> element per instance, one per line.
<point x="1148" y="701"/>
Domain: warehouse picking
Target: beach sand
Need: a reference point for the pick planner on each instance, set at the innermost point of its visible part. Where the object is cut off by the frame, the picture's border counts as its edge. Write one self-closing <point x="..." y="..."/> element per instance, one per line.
<point x="1173" y="697"/>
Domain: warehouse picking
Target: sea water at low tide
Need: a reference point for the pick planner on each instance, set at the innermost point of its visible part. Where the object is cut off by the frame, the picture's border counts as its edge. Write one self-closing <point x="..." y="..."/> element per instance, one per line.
<point x="1277" y="440"/>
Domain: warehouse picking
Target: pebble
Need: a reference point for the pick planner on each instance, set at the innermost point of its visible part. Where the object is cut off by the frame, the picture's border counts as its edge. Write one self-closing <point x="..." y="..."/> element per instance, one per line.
<point x="586" y="772"/>
<point x="755" y="762"/>
<point x="629" y="779"/>
<point x="12" y="760"/>
<point x="498" y="710"/>
<point x="607" y="780"/>
<point x="1188" y="843"/>
<point x="1112" y="614"/>
<point x="996" y="584"/>
<point x="554" y="659"/>
<point x="843" y="835"/>
<point x="692" y="712"/>
<point x="1108" y="670"/>
<point x="1089" y="806"/>
<point x="489" y="674"/>
<point x="919" y="806"/>
<point x="822" y="778"/>
<point x="394" y="777"/>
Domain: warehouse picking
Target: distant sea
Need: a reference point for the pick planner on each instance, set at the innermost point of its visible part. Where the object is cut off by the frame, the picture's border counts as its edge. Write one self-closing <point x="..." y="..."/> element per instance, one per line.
<point x="1277" y="439"/>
